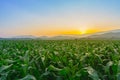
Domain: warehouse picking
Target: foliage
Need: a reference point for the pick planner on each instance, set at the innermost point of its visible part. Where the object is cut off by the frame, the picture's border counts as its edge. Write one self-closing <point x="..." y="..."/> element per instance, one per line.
<point x="59" y="60"/>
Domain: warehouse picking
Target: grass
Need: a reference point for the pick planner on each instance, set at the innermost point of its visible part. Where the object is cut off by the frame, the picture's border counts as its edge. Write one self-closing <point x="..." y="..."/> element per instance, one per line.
<point x="59" y="60"/>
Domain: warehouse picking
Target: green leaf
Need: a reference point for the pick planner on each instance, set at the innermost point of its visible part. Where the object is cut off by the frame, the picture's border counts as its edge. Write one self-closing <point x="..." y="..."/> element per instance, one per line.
<point x="45" y="74"/>
<point x="64" y="71"/>
<point x="118" y="66"/>
<point x="4" y="68"/>
<point x="53" y="68"/>
<point x="118" y="76"/>
<point x="28" y="77"/>
<point x="110" y="63"/>
<point x="92" y="73"/>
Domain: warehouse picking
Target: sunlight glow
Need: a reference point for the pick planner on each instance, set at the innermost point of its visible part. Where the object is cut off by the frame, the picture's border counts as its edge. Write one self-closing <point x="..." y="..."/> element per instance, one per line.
<point x="83" y="30"/>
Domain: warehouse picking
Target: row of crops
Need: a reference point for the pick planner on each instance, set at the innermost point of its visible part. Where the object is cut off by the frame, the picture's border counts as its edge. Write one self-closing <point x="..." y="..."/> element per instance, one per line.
<point x="59" y="60"/>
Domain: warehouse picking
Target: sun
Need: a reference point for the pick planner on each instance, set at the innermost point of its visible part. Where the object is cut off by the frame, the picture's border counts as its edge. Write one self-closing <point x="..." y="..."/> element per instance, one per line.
<point x="83" y="31"/>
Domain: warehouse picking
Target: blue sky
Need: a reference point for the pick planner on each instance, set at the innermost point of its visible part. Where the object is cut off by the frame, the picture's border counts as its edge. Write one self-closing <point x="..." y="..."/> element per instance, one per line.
<point x="55" y="17"/>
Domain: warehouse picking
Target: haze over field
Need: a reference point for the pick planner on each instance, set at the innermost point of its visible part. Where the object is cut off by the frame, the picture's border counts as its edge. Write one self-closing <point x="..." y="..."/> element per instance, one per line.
<point x="58" y="17"/>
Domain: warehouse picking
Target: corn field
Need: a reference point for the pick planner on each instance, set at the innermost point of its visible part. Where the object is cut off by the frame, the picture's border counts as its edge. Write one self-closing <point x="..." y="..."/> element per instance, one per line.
<point x="59" y="60"/>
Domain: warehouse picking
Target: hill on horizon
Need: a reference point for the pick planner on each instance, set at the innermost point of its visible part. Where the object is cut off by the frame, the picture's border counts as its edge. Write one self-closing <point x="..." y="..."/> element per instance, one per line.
<point x="112" y="34"/>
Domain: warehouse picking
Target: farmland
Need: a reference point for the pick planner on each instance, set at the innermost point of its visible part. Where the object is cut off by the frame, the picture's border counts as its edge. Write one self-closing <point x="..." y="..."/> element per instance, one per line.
<point x="59" y="60"/>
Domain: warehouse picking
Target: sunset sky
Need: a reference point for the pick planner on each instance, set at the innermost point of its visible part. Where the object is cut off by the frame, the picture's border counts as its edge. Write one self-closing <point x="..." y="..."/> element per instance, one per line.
<point x="58" y="17"/>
